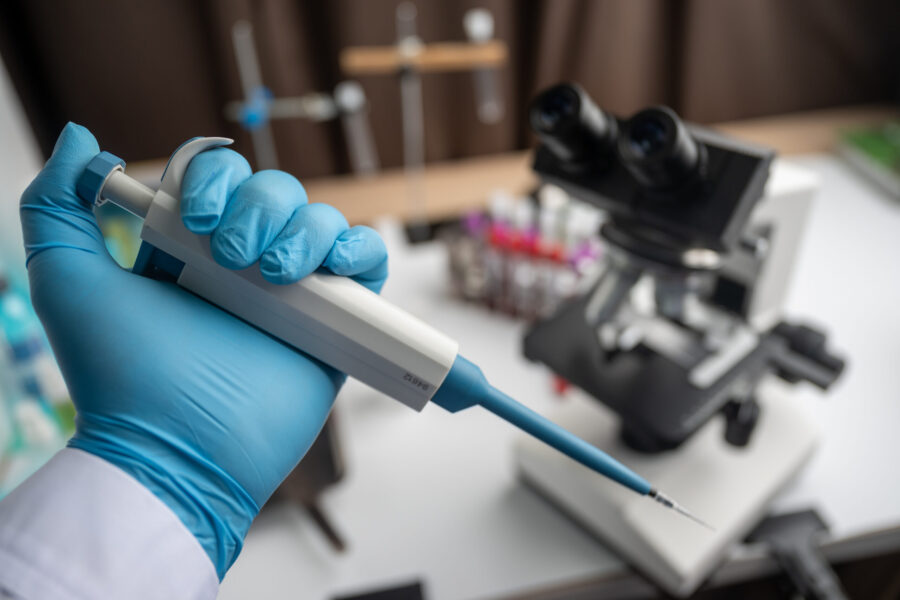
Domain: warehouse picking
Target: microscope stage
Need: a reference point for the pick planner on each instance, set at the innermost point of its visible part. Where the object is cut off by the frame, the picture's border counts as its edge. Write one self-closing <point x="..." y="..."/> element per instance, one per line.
<point x="728" y="487"/>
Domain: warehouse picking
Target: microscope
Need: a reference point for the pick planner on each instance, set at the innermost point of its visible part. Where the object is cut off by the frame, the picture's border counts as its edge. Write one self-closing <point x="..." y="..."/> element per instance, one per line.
<point x="676" y="346"/>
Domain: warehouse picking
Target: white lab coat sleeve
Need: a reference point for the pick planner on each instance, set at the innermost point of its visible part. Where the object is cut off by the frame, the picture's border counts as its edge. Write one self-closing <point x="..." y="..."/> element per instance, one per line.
<point x="81" y="528"/>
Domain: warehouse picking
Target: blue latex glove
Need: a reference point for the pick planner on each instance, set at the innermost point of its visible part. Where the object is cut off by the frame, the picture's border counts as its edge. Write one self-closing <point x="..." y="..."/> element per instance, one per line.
<point x="207" y="412"/>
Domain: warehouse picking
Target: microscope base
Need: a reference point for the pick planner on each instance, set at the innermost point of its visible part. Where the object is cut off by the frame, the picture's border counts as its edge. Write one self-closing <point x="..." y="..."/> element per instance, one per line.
<point x="728" y="487"/>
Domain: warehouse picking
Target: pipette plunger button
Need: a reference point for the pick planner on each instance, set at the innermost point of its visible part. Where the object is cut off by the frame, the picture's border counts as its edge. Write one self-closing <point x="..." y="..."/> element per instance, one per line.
<point x="95" y="175"/>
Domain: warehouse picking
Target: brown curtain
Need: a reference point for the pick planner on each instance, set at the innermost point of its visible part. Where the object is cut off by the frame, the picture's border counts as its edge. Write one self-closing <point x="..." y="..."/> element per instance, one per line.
<point x="145" y="75"/>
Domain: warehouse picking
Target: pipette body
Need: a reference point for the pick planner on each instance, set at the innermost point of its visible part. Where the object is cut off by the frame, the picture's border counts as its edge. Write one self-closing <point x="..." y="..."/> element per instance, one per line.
<point x="332" y="318"/>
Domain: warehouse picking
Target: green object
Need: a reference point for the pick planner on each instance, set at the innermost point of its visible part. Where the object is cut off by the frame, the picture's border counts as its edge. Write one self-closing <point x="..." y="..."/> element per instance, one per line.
<point x="875" y="152"/>
<point x="65" y="415"/>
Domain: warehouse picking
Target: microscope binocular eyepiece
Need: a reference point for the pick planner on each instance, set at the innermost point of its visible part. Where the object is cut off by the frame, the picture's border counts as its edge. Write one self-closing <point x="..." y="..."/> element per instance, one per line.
<point x="667" y="184"/>
<point x="654" y="145"/>
<point x="572" y="126"/>
<point x="658" y="150"/>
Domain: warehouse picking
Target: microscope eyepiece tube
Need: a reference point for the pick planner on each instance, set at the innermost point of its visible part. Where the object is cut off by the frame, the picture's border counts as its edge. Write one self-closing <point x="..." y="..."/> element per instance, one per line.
<point x="572" y="126"/>
<point x="658" y="150"/>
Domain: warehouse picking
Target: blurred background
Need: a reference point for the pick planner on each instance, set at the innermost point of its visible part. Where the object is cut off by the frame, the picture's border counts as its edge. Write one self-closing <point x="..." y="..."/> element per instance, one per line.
<point x="144" y="76"/>
<point x="414" y="117"/>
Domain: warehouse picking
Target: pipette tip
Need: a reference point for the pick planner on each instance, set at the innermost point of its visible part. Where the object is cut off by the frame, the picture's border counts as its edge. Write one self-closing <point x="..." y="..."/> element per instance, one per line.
<point x="670" y="503"/>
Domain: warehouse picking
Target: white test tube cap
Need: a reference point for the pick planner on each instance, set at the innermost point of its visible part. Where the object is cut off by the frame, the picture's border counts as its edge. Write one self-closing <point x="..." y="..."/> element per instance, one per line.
<point x="500" y="205"/>
<point x="523" y="214"/>
<point x="552" y="197"/>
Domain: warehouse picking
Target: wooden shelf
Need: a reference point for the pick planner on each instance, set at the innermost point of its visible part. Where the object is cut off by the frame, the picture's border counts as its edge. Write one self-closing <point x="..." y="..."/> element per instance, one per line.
<point x="442" y="56"/>
<point x="451" y="188"/>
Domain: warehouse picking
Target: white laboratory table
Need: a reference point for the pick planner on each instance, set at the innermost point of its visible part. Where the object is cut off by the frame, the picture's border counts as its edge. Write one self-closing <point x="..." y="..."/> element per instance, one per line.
<point x="433" y="497"/>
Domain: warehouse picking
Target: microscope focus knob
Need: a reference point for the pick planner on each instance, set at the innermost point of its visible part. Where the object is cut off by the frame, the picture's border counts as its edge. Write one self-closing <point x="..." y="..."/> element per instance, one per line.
<point x="740" y="421"/>
<point x="811" y="343"/>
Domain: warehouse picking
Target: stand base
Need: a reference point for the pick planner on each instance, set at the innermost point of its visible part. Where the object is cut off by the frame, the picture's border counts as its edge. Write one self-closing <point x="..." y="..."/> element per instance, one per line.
<point x="728" y="487"/>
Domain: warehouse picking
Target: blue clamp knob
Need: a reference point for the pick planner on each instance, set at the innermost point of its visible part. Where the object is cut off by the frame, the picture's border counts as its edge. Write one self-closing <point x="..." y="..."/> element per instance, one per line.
<point x="95" y="174"/>
<point x="255" y="111"/>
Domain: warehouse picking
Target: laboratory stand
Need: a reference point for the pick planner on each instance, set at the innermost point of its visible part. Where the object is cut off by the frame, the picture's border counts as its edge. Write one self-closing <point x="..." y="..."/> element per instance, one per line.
<point x="260" y="107"/>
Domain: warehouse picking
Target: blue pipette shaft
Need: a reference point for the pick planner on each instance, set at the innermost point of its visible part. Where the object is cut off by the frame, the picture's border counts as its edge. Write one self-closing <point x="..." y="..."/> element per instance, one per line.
<point x="466" y="386"/>
<point x="569" y="444"/>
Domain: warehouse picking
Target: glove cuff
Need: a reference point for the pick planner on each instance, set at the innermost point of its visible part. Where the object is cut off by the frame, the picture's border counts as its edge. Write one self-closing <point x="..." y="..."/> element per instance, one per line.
<point x="211" y="504"/>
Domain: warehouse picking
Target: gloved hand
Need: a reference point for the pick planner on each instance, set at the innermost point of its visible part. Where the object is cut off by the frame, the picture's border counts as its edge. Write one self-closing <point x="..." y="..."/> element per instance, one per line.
<point x="206" y="411"/>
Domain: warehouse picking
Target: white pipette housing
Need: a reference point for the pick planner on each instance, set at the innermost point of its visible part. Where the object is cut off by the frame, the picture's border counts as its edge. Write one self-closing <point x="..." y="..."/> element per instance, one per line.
<point x="335" y="319"/>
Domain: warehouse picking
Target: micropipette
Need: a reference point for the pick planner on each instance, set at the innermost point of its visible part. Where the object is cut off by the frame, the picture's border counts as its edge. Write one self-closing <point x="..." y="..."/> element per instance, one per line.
<point x="332" y="318"/>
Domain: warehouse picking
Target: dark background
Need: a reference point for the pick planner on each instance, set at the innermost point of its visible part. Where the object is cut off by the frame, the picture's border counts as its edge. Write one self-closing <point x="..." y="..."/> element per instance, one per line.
<point x="146" y="75"/>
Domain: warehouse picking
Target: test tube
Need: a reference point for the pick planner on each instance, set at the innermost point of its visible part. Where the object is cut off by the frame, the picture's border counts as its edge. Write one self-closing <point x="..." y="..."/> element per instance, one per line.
<point x="585" y="244"/>
<point x="522" y="272"/>
<point x="501" y="204"/>
<point x="552" y="267"/>
<point x="468" y="251"/>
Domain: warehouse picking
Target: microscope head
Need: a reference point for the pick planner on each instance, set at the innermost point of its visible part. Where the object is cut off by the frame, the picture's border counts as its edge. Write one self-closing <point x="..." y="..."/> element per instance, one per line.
<point x="669" y="188"/>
